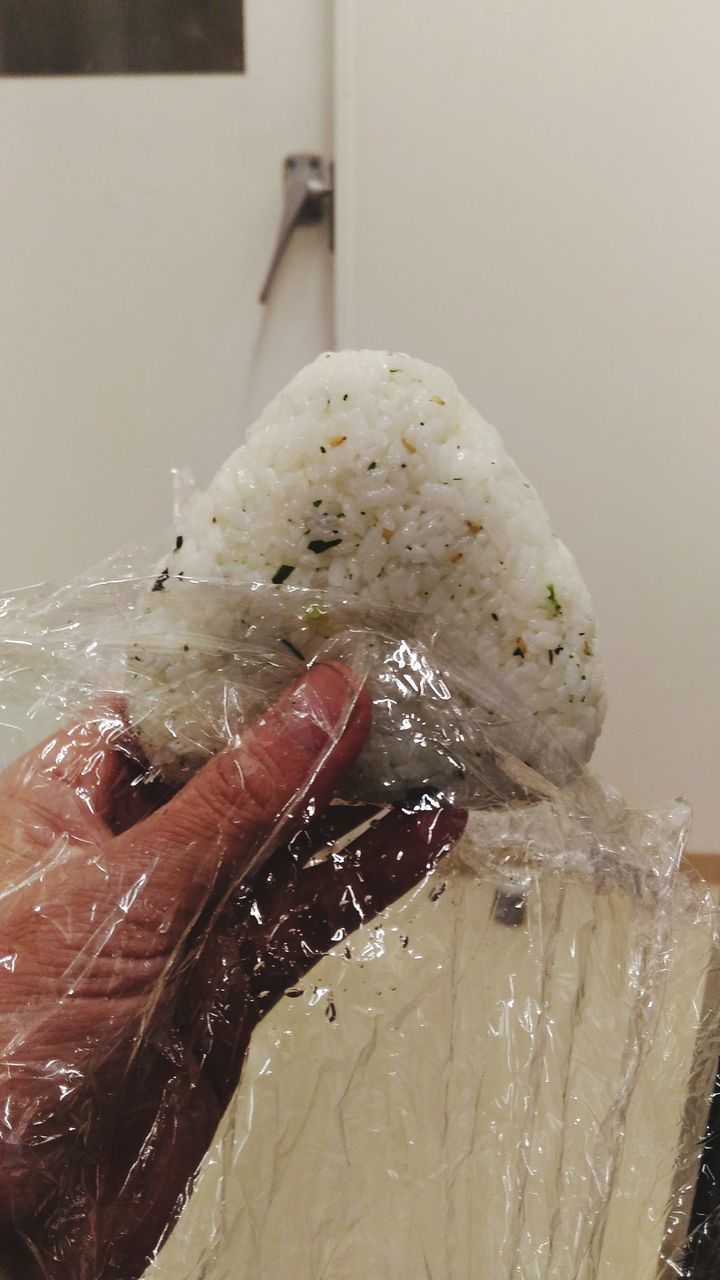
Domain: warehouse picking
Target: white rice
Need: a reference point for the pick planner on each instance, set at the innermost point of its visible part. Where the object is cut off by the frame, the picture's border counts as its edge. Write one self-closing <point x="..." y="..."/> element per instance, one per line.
<point x="371" y="476"/>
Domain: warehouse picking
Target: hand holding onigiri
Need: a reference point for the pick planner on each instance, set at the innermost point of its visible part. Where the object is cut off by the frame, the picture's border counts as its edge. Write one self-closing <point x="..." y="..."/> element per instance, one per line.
<point x="370" y="484"/>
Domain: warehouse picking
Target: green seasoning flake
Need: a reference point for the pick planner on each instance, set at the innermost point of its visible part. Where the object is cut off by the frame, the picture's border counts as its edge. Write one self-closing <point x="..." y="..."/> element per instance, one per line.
<point x="372" y="466"/>
<point x="314" y="611"/>
<point x="323" y="449"/>
<point x="283" y="573"/>
<point x="319" y="545"/>
<point x="394" y="370"/>
<point x="317" y="502"/>
<point x="553" y="603"/>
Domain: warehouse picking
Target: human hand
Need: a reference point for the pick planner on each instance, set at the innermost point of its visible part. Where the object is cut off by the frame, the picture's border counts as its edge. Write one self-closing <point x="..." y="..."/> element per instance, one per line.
<point x="142" y="938"/>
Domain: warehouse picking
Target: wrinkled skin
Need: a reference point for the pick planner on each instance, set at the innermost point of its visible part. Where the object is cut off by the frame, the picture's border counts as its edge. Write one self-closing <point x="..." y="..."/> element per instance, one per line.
<point x="142" y="938"/>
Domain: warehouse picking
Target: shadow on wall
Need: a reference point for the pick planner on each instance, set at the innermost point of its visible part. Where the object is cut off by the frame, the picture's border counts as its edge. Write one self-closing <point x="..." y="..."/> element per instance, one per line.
<point x="104" y="37"/>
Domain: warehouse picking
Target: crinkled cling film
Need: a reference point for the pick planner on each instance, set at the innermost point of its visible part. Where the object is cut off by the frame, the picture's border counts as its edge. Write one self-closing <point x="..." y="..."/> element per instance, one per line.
<point x="460" y="1022"/>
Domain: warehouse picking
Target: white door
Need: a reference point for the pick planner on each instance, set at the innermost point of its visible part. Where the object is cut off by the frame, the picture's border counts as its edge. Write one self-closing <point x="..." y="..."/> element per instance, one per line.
<point x="528" y="196"/>
<point x="138" y="219"/>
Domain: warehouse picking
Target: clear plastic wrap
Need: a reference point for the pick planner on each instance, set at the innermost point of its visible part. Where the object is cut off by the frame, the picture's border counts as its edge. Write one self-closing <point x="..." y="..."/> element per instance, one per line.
<point x="461" y="1020"/>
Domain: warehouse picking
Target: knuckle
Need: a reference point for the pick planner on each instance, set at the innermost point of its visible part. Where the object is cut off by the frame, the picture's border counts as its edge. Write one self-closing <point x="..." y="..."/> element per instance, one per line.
<point x="251" y="787"/>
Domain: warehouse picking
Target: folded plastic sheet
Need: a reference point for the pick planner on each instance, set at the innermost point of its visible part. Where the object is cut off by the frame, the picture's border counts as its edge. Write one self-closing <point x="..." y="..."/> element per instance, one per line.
<point x="498" y="1062"/>
<point x="701" y="1256"/>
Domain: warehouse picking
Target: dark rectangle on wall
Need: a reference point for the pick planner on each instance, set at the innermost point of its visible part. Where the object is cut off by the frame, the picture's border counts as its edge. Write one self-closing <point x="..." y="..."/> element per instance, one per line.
<point x="118" y="37"/>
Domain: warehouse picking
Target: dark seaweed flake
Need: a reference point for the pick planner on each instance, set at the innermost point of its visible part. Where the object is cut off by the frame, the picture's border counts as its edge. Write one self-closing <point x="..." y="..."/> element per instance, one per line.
<point x="282" y="574"/>
<point x="293" y="650"/>
<point x="318" y="545"/>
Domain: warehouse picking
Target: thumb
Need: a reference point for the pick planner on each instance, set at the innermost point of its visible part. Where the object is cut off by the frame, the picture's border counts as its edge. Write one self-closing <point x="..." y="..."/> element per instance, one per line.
<point x="231" y="814"/>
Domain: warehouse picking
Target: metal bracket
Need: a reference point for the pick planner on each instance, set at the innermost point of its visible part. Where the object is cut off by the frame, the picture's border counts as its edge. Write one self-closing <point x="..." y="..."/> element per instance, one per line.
<point x="308" y="181"/>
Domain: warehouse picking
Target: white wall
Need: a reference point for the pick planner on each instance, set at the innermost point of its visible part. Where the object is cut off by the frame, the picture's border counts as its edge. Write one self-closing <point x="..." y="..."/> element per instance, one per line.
<point x="138" y="217"/>
<point x="530" y="196"/>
